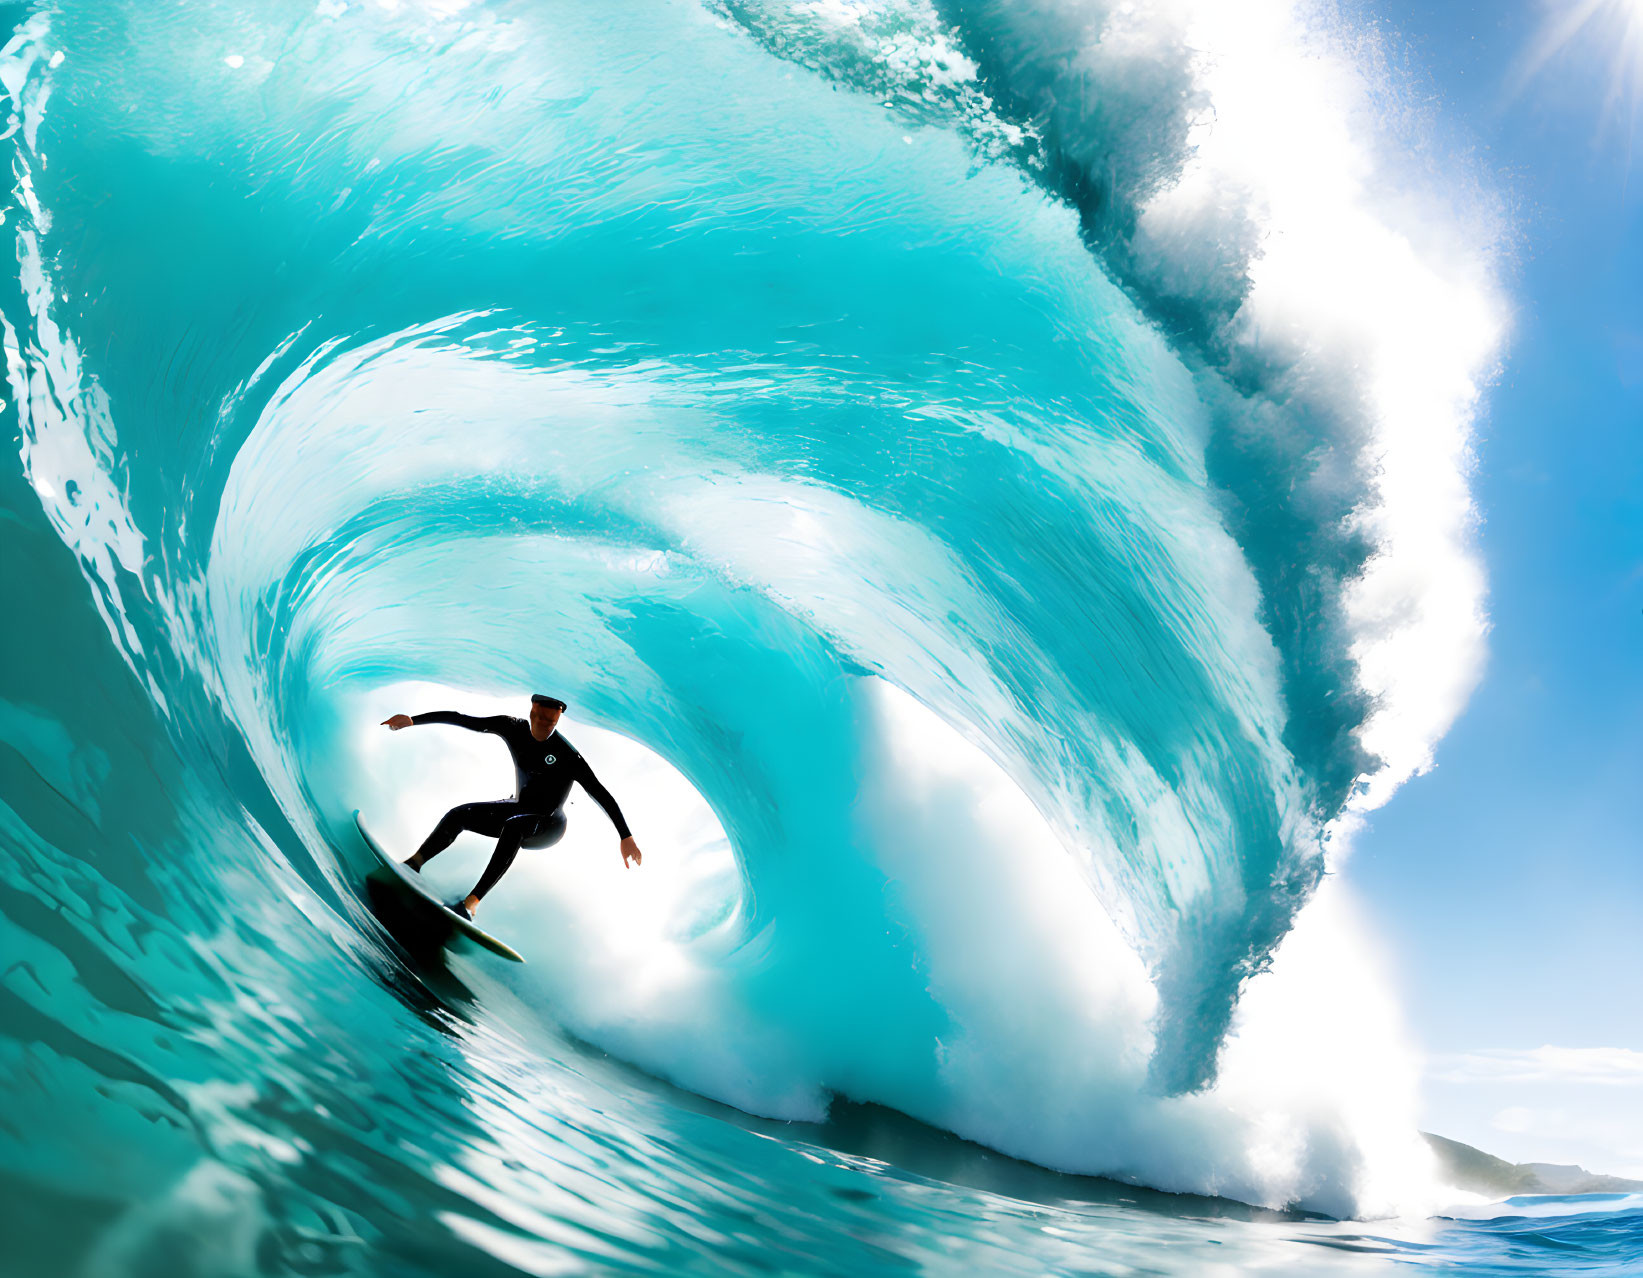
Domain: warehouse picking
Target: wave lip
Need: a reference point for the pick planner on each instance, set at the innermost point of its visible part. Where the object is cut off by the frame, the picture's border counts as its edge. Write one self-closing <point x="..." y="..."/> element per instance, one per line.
<point x="1235" y="165"/>
<point x="1232" y="166"/>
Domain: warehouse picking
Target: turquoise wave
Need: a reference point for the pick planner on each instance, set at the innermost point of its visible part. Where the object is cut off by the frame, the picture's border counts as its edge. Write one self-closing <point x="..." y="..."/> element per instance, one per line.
<point x="808" y="404"/>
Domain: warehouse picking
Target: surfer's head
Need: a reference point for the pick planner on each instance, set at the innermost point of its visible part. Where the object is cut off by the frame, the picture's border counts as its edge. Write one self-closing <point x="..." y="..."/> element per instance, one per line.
<point x="545" y="712"/>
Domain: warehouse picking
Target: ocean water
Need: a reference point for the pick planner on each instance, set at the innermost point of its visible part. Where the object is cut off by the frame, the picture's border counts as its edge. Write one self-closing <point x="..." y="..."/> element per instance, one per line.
<point x="990" y="481"/>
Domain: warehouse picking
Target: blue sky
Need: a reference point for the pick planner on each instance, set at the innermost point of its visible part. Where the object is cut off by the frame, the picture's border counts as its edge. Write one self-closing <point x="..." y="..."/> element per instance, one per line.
<point x="1509" y="881"/>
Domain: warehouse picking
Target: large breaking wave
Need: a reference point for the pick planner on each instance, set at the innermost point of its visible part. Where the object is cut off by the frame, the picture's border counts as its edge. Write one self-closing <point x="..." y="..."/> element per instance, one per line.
<point x="994" y="480"/>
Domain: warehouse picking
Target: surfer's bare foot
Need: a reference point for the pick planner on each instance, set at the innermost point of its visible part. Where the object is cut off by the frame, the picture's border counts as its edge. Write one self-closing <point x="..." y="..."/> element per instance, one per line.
<point x="412" y="862"/>
<point x="471" y="904"/>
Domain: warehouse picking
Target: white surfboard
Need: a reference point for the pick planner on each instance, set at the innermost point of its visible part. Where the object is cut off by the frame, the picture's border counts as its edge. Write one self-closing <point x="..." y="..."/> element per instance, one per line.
<point x="412" y="882"/>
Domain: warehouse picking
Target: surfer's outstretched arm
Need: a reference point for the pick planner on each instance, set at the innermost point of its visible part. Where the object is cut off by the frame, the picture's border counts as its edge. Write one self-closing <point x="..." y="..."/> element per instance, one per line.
<point x="495" y="723"/>
<point x="604" y="798"/>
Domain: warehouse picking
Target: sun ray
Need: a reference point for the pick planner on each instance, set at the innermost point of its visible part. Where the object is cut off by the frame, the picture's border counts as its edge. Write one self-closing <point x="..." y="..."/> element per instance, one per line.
<point x="1607" y="31"/>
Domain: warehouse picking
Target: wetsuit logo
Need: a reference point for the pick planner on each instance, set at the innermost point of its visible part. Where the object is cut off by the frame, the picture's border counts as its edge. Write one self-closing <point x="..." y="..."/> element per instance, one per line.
<point x="550" y="759"/>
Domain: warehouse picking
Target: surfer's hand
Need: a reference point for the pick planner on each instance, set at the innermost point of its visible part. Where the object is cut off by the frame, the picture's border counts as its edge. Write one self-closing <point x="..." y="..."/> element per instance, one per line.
<point x="397" y="722"/>
<point x="630" y="852"/>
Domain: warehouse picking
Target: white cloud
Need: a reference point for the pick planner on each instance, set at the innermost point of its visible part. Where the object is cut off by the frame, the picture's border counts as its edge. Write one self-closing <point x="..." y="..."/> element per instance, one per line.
<point x="1610" y="1066"/>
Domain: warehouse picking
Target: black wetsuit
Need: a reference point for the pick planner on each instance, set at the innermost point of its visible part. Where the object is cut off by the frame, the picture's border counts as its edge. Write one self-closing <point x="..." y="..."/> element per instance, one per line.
<point x="544" y="772"/>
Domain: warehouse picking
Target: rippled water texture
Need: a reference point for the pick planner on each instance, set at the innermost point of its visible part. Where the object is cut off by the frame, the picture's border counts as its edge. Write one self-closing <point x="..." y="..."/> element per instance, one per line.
<point x="992" y="536"/>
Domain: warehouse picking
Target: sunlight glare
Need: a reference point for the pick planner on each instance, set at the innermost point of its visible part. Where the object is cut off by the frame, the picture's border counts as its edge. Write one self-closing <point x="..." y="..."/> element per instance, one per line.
<point x="1609" y="30"/>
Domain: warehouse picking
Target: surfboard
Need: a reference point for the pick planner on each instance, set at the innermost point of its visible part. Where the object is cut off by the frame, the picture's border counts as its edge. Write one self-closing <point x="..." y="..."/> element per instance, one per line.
<point x="390" y="870"/>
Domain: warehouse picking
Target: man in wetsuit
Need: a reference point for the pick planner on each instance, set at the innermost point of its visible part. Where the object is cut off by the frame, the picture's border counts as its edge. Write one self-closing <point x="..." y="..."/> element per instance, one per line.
<point x="545" y="765"/>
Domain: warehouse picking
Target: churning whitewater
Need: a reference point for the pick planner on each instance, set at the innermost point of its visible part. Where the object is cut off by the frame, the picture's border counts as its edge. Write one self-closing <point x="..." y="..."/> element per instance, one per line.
<point x="989" y="483"/>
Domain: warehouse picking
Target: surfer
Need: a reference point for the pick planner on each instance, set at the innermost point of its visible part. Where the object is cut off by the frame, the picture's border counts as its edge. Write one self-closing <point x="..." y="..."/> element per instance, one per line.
<point x="545" y="765"/>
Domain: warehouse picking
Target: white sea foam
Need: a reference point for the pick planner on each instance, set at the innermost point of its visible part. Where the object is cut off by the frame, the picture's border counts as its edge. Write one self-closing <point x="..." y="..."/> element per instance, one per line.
<point x="1044" y="1047"/>
<point x="1361" y="278"/>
